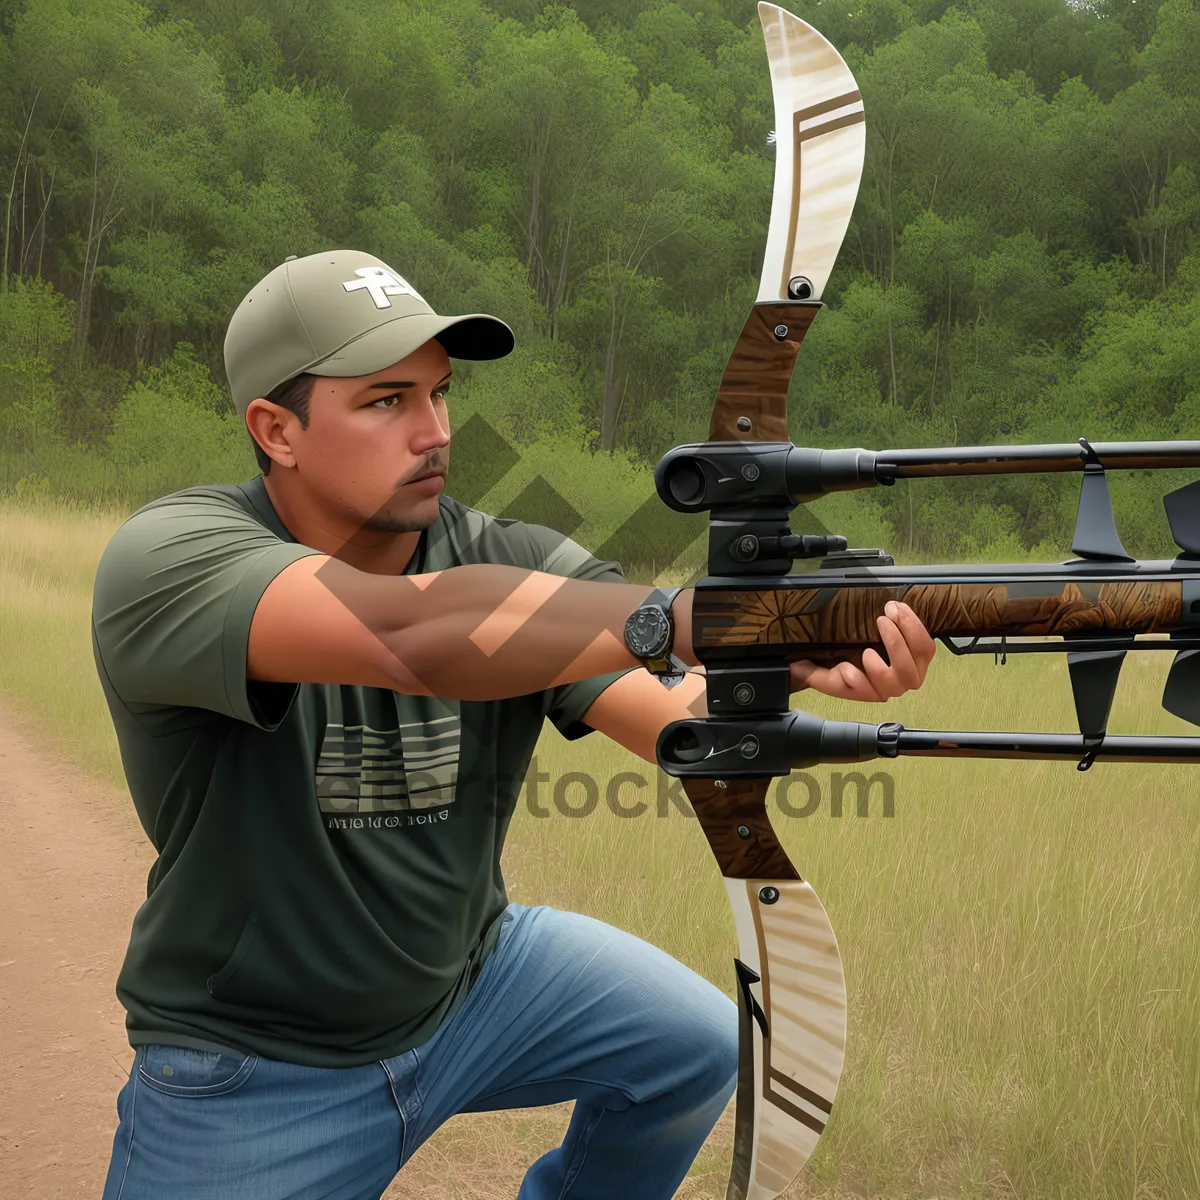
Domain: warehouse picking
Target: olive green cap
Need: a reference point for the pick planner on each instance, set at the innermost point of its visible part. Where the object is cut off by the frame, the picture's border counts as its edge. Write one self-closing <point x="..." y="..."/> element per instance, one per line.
<point x="343" y="313"/>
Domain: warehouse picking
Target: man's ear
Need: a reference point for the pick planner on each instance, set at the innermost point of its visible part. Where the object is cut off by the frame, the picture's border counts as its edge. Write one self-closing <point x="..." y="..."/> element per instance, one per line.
<point x="268" y="425"/>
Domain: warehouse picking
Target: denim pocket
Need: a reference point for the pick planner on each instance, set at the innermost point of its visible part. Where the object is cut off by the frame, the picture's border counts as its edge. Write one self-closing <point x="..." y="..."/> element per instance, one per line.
<point x="182" y="1071"/>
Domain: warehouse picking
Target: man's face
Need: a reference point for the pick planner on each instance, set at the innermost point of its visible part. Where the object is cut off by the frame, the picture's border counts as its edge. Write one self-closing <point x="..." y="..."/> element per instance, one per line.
<point x="371" y="438"/>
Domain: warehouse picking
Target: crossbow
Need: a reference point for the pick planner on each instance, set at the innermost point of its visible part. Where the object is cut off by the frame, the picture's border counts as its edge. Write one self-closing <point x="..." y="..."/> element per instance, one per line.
<point x="751" y="617"/>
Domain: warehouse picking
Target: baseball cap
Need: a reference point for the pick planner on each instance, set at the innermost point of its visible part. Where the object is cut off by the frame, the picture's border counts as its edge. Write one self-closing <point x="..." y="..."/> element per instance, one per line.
<point x="341" y="312"/>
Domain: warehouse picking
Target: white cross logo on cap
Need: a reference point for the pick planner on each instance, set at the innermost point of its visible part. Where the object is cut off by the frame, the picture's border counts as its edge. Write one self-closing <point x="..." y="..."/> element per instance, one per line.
<point x="380" y="284"/>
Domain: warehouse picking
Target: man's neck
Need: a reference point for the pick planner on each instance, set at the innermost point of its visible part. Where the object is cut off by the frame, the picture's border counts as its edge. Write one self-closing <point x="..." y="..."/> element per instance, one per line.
<point x="379" y="552"/>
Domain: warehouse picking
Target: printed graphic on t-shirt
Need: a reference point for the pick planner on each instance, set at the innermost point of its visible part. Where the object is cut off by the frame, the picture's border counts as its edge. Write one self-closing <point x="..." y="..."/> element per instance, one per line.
<point x="413" y="766"/>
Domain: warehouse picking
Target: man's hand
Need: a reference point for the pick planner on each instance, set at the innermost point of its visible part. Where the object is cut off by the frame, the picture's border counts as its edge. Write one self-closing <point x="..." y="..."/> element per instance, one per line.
<point x="909" y="647"/>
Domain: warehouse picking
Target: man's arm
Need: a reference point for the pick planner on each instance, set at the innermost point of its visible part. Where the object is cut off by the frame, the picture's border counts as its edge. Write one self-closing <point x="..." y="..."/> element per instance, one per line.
<point x="480" y="632"/>
<point x="488" y="632"/>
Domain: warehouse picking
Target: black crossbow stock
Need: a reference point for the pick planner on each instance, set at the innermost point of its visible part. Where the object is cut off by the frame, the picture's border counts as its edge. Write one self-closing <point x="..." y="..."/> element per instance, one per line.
<point x="751" y="618"/>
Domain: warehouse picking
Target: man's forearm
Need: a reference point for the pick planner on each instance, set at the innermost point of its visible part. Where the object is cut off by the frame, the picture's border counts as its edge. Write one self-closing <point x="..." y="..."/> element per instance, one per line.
<point x="489" y="632"/>
<point x="634" y="710"/>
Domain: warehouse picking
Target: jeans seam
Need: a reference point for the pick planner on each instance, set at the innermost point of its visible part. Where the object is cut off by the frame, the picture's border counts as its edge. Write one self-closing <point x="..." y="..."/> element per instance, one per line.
<point x="416" y="1082"/>
<point x="516" y="1087"/>
<point x="577" y="1159"/>
<point x="399" y="1113"/>
<point x="132" y="1116"/>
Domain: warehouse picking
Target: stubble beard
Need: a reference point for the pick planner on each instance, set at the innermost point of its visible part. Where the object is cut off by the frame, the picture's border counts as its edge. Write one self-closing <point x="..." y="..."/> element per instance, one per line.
<point x="385" y="522"/>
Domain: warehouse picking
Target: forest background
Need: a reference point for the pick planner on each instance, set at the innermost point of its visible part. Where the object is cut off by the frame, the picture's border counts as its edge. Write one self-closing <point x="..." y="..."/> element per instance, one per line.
<point x="1023" y="262"/>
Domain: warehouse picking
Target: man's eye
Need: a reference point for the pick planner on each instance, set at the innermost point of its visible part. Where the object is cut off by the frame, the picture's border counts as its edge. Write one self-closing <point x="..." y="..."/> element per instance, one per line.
<point x="383" y="399"/>
<point x="442" y="392"/>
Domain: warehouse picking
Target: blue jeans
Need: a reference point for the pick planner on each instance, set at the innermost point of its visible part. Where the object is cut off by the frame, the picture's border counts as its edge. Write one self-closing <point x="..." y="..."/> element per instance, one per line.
<point x="566" y="1008"/>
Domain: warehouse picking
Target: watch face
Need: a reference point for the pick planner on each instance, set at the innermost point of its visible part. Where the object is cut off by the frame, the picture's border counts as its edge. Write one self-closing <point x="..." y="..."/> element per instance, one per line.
<point x="646" y="631"/>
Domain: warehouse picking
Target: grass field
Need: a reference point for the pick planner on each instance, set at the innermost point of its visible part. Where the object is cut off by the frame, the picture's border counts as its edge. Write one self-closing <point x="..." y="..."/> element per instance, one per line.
<point x="1021" y="942"/>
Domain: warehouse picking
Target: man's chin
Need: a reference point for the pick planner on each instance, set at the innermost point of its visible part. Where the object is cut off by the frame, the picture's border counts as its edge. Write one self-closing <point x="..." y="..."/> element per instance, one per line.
<point x="421" y="516"/>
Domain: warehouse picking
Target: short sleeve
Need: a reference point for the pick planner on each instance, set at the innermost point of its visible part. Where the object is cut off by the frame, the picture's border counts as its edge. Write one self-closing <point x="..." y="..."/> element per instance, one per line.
<point x="175" y="593"/>
<point x="559" y="555"/>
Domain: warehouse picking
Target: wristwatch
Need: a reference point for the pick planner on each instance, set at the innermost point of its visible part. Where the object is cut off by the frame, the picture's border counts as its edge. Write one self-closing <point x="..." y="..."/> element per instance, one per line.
<point x="650" y="632"/>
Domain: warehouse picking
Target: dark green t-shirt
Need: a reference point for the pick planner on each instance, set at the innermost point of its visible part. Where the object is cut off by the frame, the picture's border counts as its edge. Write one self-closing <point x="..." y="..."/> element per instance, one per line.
<point x="328" y="880"/>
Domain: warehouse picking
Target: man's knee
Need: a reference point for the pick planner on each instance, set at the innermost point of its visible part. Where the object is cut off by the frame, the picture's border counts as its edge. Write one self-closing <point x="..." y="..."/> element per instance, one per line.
<point x="712" y="1045"/>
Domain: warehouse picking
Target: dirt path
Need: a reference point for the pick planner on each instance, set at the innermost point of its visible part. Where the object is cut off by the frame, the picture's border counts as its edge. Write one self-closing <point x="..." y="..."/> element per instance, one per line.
<point x="73" y="865"/>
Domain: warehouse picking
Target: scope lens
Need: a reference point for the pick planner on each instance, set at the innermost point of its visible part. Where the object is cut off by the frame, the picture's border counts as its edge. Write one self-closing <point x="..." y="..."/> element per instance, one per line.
<point x="683" y="745"/>
<point x="686" y="483"/>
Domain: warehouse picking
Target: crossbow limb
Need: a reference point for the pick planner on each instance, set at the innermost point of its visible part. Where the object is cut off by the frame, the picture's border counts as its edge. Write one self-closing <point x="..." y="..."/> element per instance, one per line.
<point x="791" y="990"/>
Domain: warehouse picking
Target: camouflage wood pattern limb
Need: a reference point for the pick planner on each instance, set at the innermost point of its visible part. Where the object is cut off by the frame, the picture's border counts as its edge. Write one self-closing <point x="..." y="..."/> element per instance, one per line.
<point x="836" y="622"/>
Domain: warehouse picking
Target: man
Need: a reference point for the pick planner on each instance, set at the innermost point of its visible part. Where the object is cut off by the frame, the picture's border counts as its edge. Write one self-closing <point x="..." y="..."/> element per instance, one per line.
<point x="327" y="685"/>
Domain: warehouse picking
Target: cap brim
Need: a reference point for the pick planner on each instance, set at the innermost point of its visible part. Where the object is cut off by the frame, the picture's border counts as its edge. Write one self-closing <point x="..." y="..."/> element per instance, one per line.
<point x="474" y="336"/>
<point x="477" y="337"/>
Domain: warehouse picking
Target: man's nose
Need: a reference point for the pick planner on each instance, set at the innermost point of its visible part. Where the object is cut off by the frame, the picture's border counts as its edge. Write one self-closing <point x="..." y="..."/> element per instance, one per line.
<point x="429" y="431"/>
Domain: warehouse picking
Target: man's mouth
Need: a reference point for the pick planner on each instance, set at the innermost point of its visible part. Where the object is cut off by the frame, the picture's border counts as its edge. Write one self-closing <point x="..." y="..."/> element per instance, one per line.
<point x="429" y="475"/>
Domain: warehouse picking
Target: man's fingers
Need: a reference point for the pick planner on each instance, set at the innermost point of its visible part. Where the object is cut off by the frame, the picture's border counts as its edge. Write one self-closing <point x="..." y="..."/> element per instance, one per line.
<point x="916" y="636"/>
<point x="904" y="673"/>
<point x="842" y="680"/>
<point x="826" y="680"/>
<point x="879" y="677"/>
<point x="802" y="673"/>
<point x="858" y="684"/>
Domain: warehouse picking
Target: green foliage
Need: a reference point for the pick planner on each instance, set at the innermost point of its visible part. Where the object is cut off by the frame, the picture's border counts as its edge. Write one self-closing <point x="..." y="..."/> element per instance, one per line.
<point x="1021" y="264"/>
<point x="162" y="439"/>
<point x="35" y="327"/>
